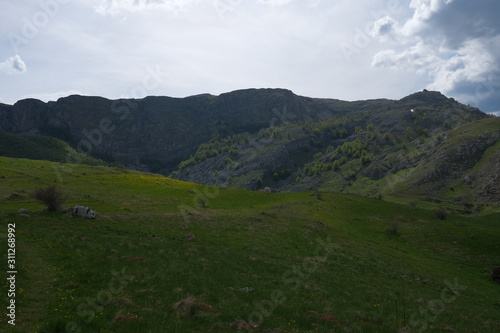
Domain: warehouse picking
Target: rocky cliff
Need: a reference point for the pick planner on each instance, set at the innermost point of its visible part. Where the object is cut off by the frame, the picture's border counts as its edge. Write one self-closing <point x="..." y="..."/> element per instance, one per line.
<point x="290" y="142"/>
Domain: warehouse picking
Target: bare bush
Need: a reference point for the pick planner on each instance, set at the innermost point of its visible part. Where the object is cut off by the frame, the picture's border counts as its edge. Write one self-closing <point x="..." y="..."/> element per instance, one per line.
<point x="441" y="214"/>
<point x="319" y="195"/>
<point x="51" y="196"/>
<point x="394" y="228"/>
<point x="203" y="202"/>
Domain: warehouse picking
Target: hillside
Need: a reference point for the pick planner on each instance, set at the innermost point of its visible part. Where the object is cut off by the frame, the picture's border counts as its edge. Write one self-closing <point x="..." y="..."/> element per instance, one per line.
<point x="41" y="147"/>
<point x="157" y="133"/>
<point x="416" y="148"/>
<point x="169" y="256"/>
<point x="258" y="138"/>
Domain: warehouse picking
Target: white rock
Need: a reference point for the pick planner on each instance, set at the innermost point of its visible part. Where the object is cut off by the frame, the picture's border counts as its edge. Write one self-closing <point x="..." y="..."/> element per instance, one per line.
<point x="83" y="212"/>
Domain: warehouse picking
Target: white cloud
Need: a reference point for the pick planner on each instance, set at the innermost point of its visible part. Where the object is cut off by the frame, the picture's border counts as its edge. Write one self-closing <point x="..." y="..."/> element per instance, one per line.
<point x="472" y="64"/>
<point x="114" y="7"/>
<point x="416" y="58"/>
<point x="423" y="11"/>
<point x="217" y="46"/>
<point x="13" y="66"/>
<point x="385" y="28"/>
<point x="274" y="2"/>
<point x="454" y="43"/>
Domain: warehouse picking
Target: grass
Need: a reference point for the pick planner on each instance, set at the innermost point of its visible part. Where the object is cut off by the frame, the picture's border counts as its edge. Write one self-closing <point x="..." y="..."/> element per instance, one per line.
<point x="286" y="262"/>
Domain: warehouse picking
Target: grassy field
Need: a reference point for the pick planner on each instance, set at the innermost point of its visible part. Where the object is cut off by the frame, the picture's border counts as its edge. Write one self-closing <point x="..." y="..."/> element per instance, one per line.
<point x="170" y="256"/>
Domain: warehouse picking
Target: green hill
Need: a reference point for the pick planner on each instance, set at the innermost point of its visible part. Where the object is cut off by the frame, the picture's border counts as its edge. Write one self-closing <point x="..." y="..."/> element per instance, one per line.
<point x="40" y="147"/>
<point x="169" y="256"/>
<point x="424" y="149"/>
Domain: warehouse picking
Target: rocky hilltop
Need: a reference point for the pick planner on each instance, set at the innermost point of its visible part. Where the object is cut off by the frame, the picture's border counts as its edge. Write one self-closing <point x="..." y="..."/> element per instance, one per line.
<point x="158" y="131"/>
<point x="421" y="144"/>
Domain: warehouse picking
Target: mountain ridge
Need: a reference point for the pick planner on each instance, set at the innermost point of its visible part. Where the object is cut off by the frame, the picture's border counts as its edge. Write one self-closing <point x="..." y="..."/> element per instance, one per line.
<point x="289" y="142"/>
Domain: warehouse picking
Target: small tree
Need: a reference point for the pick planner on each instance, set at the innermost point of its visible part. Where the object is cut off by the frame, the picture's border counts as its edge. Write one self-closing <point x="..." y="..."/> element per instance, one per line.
<point x="260" y="183"/>
<point x="394" y="228"/>
<point x="441" y="214"/>
<point x="51" y="196"/>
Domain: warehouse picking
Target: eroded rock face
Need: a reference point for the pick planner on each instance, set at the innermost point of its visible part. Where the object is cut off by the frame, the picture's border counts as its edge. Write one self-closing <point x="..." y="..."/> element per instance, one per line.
<point x="449" y="161"/>
<point x="83" y="212"/>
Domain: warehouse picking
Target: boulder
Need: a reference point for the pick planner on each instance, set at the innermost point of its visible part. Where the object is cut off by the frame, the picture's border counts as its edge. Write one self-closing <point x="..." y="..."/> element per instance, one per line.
<point x="83" y="212"/>
<point x="495" y="274"/>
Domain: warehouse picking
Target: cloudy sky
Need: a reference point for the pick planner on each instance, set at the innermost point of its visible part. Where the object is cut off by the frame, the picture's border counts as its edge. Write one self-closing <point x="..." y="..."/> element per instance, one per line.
<point x="345" y="49"/>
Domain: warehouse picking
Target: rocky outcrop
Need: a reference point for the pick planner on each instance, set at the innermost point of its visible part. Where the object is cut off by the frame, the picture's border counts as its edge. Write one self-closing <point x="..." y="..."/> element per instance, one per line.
<point x="83" y="212"/>
<point x="452" y="160"/>
<point x="157" y="132"/>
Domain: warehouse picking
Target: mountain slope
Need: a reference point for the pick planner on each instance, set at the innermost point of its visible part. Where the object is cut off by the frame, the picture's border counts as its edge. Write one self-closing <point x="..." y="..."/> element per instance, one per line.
<point x="165" y="256"/>
<point x="156" y="133"/>
<point x="273" y="138"/>
<point x="361" y="151"/>
<point x="40" y="147"/>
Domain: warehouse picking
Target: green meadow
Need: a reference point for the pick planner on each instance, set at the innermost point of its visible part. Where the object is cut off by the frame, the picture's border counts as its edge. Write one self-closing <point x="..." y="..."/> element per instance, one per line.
<point x="170" y="256"/>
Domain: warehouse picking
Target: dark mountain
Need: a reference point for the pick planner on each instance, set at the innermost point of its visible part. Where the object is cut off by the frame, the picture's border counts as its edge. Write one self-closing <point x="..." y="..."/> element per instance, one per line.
<point x="271" y="137"/>
<point x="160" y="131"/>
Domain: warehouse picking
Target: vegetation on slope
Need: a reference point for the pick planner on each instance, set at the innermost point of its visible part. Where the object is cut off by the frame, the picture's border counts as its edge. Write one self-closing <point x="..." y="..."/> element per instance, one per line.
<point x="354" y="155"/>
<point x="40" y="147"/>
<point x="169" y="256"/>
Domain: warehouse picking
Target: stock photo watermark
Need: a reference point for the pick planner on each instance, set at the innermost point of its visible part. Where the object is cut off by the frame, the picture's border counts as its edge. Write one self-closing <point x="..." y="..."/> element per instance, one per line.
<point x="88" y="309"/>
<point x="256" y="145"/>
<point x="363" y="36"/>
<point x="222" y="7"/>
<point x="428" y="314"/>
<point x="292" y="279"/>
<point x="486" y="89"/>
<point x="211" y="192"/>
<point x="11" y="273"/>
<point x="31" y="26"/>
<point x="121" y="108"/>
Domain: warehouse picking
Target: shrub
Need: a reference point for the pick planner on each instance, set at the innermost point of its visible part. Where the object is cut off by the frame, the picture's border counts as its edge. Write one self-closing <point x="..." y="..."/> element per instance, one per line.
<point x="51" y="196"/>
<point x="441" y="214"/>
<point x="203" y="202"/>
<point x="394" y="228"/>
<point x="319" y="195"/>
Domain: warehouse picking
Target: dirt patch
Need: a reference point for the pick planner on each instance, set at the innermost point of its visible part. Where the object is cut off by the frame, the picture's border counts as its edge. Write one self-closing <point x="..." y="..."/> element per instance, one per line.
<point x="191" y="307"/>
<point x="243" y="325"/>
<point x="135" y="259"/>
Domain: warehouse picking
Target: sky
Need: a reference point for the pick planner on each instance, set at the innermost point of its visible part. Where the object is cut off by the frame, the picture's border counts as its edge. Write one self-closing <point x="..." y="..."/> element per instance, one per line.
<point x="343" y="49"/>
